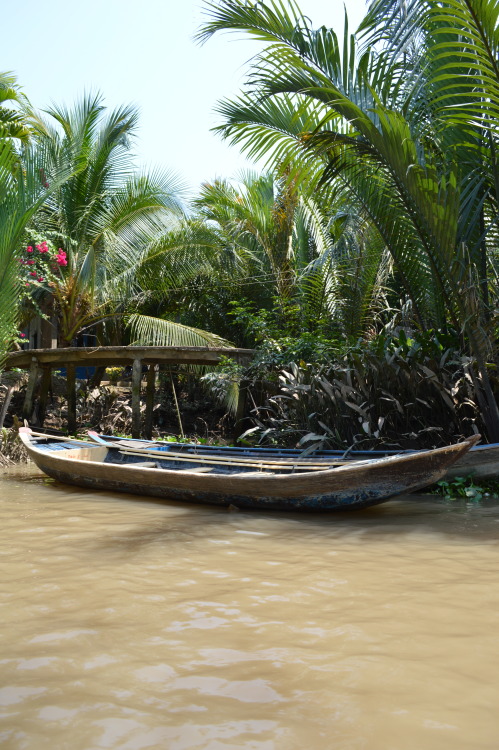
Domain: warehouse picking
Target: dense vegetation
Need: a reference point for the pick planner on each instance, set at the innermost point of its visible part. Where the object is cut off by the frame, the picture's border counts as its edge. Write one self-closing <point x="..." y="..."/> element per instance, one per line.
<point x="362" y="265"/>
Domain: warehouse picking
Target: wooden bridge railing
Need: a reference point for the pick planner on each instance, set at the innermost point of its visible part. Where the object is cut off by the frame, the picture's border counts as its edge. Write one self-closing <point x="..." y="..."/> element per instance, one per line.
<point x="40" y="362"/>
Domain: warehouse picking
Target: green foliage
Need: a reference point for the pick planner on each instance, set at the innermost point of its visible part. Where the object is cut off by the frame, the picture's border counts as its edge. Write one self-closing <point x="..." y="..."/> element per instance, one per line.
<point x="462" y="487"/>
<point x="266" y="327"/>
<point x="257" y="323"/>
<point x="22" y="193"/>
<point x="13" y="127"/>
<point x="224" y="383"/>
<point x="296" y="253"/>
<point x="114" y="373"/>
<point x="411" y="139"/>
<point x="392" y="391"/>
<point x="148" y="331"/>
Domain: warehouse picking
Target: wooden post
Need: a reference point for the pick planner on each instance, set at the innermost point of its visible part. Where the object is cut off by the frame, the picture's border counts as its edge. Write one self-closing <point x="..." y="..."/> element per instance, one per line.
<point x="96" y="378"/>
<point x="44" y="390"/>
<point x="71" y="396"/>
<point x="241" y="409"/>
<point x="150" y="389"/>
<point x="30" y="389"/>
<point x="136" y="378"/>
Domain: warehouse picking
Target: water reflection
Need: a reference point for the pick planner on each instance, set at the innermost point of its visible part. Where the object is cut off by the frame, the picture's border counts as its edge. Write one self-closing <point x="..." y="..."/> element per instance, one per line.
<point x="130" y="624"/>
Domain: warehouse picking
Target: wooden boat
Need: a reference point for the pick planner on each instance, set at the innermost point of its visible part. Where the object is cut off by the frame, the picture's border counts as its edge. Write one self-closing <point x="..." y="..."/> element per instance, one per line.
<point x="245" y="482"/>
<point x="481" y="461"/>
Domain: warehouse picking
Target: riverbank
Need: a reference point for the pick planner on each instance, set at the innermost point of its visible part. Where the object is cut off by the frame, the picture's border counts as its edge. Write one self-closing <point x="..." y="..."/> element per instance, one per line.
<point x="12" y="451"/>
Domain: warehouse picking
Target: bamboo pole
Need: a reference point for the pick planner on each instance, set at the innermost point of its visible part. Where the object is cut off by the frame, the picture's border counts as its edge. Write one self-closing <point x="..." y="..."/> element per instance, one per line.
<point x="177" y="406"/>
<point x="71" y="397"/>
<point x="229" y="461"/>
<point x="220" y="460"/>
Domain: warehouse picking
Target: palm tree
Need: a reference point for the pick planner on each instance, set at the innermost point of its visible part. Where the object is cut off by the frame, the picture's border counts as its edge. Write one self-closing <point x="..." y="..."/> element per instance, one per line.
<point x="259" y="219"/>
<point x="296" y="251"/>
<point x="13" y="127"/>
<point x="105" y="219"/>
<point x="451" y="53"/>
<point x="388" y="136"/>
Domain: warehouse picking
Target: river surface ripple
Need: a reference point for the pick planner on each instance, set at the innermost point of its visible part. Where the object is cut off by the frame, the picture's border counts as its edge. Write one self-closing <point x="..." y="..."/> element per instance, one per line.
<point x="138" y="624"/>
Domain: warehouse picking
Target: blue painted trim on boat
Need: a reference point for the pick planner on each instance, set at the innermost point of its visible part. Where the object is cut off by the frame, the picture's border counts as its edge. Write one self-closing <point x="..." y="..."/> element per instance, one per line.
<point x="201" y="448"/>
<point x="60" y="445"/>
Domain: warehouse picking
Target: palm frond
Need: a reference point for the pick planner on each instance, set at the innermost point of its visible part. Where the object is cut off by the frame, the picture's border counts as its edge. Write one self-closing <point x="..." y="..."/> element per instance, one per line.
<point x="22" y="193"/>
<point x="148" y="331"/>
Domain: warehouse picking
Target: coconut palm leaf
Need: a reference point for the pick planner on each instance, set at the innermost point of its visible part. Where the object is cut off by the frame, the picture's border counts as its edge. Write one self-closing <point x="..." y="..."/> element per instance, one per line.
<point x="22" y="193"/>
<point x="148" y="331"/>
<point x="460" y="52"/>
<point x="13" y="126"/>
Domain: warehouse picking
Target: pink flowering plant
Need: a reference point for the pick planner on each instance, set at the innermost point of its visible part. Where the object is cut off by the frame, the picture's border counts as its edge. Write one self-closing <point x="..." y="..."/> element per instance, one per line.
<point x="45" y="275"/>
<point x="42" y="266"/>
<point x="49" y="280"/>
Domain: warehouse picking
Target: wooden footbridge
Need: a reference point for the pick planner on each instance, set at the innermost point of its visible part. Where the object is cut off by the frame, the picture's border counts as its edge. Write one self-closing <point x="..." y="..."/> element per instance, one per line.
<point x="41" y="362"/>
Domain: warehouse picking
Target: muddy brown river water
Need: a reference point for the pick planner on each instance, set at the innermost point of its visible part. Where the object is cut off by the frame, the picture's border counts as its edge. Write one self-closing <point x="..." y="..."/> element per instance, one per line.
<point x="137" y="624"/>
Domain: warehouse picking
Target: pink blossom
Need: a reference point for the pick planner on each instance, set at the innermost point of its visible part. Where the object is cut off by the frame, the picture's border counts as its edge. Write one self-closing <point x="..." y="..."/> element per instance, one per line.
<point x="22" y="335"/>
<point x="61" y="258"/>
<point x="40" y="278"/>
<point x="33" y="273"/>
<point x="29" y="249"/>
<point x="27" y="283"/>
<point x="29" y="263"/>
<point x="43" y="247"/>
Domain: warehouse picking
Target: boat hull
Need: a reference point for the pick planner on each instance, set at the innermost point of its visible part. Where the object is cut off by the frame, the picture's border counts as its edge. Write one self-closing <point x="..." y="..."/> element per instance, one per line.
<point x="326" y="502"/>
<point x="355" y="485"/>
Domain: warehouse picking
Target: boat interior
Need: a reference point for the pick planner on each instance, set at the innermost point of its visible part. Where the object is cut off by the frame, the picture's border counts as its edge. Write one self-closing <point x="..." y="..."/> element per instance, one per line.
<point x="149" y="459"/>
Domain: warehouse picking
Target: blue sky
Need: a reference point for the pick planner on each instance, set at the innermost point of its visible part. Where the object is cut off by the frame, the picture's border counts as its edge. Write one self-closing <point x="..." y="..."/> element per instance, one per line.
<point x="143" y="52"/>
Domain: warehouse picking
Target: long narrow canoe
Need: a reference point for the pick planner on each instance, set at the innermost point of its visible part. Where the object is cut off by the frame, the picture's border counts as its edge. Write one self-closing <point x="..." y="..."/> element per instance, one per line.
<point x="201" y="479"/>
<point x="481" y="461"/>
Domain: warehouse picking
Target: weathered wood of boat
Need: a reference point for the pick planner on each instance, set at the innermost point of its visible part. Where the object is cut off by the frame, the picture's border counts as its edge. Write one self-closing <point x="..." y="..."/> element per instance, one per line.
<point x="481" y="461"/>
<point x="265" y="484"/>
